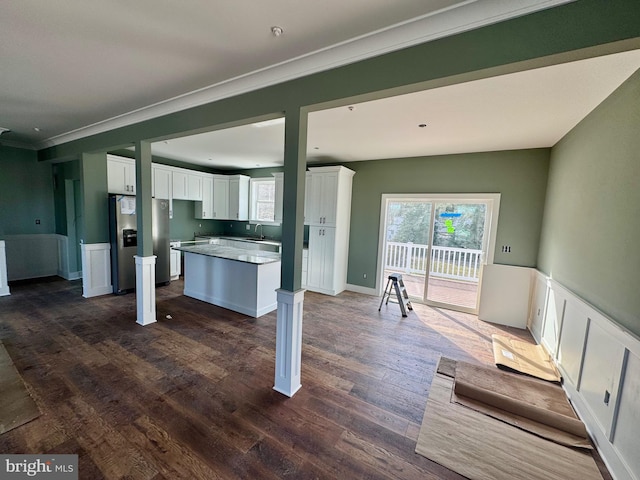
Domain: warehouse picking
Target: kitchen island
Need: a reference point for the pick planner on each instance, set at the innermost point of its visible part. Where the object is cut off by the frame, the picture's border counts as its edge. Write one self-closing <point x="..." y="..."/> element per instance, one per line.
<point x="238" y="279"/>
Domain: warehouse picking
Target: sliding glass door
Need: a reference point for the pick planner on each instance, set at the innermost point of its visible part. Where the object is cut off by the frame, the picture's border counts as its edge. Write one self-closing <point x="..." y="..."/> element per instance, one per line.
<point x="439" y="245"/>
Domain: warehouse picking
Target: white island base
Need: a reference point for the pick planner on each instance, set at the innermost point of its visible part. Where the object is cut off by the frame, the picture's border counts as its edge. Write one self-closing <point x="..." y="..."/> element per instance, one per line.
<point x="248" y="288"/>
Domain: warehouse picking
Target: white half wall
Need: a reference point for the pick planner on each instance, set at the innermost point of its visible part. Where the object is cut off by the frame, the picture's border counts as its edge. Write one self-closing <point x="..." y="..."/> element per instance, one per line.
<point x="505" y="295"/>
<point x="96" y="268"/>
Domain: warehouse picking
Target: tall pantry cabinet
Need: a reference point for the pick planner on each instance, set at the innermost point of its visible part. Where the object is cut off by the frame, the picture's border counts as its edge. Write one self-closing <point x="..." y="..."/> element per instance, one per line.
<point x="328" y="214"/>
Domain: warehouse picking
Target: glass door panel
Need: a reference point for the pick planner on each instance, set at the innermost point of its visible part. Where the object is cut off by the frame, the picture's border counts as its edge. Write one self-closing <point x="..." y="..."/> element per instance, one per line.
<point x="407" y="232"/>
<point x="457" y="254"/>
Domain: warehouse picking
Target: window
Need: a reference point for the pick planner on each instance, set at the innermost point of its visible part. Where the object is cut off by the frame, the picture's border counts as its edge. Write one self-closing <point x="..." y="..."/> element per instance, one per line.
<point x="263" y="199"/>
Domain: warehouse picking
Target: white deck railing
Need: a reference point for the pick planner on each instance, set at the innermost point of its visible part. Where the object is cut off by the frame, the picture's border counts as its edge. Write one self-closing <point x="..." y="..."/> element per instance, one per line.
<point x="446" y="262"/>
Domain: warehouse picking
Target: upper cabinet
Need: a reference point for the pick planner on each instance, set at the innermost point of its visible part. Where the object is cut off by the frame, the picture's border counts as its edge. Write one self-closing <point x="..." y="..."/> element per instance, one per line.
<point x="215" y="198"/>
<point x="204" y="208"/>
<point x="186" y="184"/>
<point x="239" y="197"/>
<point x="161" y="184"/>
<point x="328" y="195"/>
<point x="121" y="175"/>
<point x="220" y="197"/>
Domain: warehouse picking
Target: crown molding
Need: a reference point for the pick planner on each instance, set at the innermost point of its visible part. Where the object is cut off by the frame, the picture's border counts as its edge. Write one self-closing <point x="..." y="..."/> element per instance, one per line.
<point x="464" y="16"/>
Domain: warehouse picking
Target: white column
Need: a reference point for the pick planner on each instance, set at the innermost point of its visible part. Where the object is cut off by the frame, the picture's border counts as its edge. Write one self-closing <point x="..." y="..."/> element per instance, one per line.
<point x="146" y="289"/>
<point x="4" y="285"/>
<point x="289" y="342"/>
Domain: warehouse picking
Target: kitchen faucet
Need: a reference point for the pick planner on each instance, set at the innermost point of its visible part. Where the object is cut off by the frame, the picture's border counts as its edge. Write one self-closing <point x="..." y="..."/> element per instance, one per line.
<point x="256" y="229"/>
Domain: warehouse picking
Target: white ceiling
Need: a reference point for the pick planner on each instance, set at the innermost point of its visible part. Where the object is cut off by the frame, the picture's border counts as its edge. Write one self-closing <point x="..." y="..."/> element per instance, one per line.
<point x="529" y="109"/>
<point x="76" y="68"/>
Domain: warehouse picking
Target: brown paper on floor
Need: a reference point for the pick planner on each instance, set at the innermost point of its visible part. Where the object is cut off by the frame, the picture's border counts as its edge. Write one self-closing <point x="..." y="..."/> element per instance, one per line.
<point x="524" y="357"/>
<point x="483" y="448"/>
<point x="528" y="403"/>
<point x="16" y="405"/>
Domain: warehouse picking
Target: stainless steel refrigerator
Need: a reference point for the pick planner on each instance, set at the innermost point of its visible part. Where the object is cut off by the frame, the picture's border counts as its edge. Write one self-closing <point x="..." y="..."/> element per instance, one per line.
<point x="124" y="241"/>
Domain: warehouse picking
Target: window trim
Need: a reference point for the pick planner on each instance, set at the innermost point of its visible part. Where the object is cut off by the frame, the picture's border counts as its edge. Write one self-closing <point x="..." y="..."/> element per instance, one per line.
<point x="253" y="201"/>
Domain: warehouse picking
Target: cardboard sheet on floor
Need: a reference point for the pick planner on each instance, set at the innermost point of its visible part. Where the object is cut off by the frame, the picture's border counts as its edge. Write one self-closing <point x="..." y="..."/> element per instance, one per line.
<point x="523" y="357"/>
<point x="483" y="448"/>
<point x="531" y="404"/>
<point x="16" y="405"/>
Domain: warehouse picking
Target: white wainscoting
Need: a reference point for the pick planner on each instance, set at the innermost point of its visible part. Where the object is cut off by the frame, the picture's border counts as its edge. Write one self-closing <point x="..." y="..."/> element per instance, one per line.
<point x="64" y="269"/>
<point x="4" y="282"/>
<point x="600" y="365"/>
<point x="96" y="268"/>
<point x="31" y="255"/>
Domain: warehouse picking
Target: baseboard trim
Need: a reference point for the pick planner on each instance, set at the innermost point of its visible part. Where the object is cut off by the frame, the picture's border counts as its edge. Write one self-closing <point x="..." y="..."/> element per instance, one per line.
<point x="360" y="289"/>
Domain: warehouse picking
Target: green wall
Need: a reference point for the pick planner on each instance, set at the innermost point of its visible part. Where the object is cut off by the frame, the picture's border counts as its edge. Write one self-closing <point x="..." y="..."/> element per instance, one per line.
<point x="591" y="228"/>
<point x="183" y="225"/>
<point x="519" y="176"/>
<point x="26" y="193"/>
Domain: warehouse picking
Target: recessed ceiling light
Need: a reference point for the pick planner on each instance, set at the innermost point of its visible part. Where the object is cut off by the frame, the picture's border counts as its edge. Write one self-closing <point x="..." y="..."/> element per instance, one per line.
<point x="422" y="125"/>
<point x="36" y="129"/>
<point x="277" y="31"/>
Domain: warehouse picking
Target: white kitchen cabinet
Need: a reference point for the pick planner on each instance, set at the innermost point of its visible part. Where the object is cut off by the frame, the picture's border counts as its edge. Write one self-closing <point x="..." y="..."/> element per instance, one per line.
<point x="328" y="211"/>
<point x="220" y="197"/>
<point x="239" y="197"/>
<point x="277" y="209"/>
<point x="186" y="184"/>
<point x="161" y="181"/>
<point x="320" y="267"/>
<point x="121" y="175"/>
<point x="323" y="197"/>
<point x="175" y="261"/>
<point x="179" y="184"/>
<point x="204" y="208"/>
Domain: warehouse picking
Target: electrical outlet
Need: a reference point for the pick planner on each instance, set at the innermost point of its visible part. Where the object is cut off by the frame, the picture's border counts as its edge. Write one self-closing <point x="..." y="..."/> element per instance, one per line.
<point x="506" y="249"/>
<point x="37" y="221"/>
<point x="364" y="275"/>
<point x="248" y="227"/>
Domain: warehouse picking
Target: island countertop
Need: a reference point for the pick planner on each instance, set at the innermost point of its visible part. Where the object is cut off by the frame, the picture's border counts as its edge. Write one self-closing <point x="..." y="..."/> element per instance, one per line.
<point x="258" y="257"/>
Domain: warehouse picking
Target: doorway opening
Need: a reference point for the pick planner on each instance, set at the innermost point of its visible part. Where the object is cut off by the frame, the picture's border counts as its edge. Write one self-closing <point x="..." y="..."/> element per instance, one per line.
<point x="439" y="243"/>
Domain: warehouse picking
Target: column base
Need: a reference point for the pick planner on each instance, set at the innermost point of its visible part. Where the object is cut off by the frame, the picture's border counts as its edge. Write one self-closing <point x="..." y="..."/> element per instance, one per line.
<point x="146" y="289"/>
<point x="288" y="342"/>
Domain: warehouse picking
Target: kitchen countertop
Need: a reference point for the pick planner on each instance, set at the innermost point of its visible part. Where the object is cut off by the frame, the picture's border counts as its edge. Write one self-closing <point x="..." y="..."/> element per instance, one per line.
<point x="258" y="257"/>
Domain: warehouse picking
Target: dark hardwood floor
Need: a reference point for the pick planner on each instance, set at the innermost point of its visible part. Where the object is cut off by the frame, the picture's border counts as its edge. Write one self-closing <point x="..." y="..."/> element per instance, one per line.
<point x="191" y="396"/>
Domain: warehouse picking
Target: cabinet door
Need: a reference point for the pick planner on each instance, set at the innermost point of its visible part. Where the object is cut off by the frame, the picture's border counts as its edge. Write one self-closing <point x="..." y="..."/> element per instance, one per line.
<point x="239" y="198"/>
<point x="321" y="201"/>
<point x="179" y="185"/>
<point x="221" y="198"/>
<point x="121" y="176"/>
<point x="194" y="186"/>
<point x="328" y="198"/>
<point x="321" y="258"/>
<point x="204" y="208"/>
<point x="161" y="186"/>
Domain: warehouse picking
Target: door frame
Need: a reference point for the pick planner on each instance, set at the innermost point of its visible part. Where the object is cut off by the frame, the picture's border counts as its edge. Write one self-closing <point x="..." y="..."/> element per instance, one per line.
<point x="493" y="213"/>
